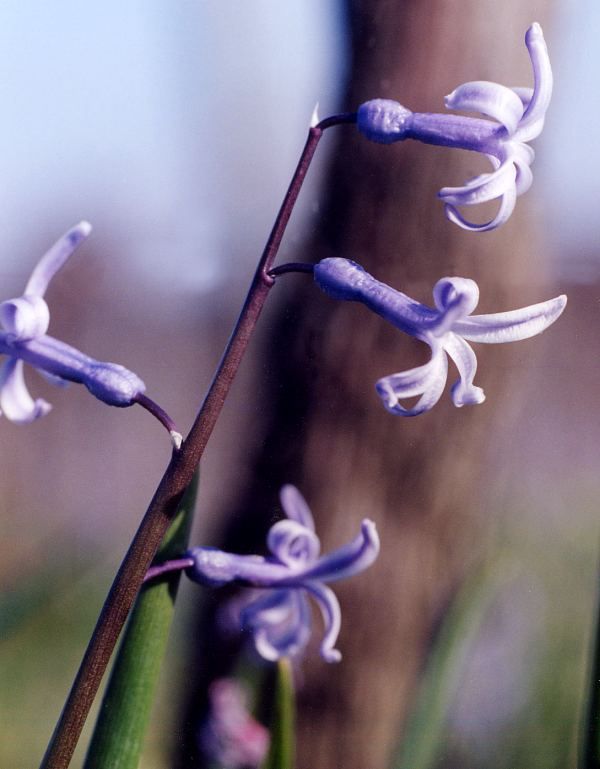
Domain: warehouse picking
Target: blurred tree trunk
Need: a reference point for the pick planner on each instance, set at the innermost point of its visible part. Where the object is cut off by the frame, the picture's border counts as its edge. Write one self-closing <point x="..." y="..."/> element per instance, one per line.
<point x="326" y="430"/>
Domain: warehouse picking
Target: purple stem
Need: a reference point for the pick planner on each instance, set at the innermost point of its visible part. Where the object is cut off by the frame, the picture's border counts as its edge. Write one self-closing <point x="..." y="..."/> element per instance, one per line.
<point x="177" y="476"/>
<point x="177" y="564"/>
<point x="282" y="269"/>
<point x="162" y="417"/>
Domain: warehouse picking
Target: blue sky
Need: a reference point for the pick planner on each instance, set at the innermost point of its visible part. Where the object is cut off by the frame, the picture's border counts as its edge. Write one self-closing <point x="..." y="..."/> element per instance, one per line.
<point x="156" y="120"/>
<point x="570" y="176"/>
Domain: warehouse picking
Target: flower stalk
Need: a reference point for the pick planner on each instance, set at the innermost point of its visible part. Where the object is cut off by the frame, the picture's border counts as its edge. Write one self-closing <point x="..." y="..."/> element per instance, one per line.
<point x="282" y="753"/>
<point x="175" y="480"/>
<point x="123" y="718"/>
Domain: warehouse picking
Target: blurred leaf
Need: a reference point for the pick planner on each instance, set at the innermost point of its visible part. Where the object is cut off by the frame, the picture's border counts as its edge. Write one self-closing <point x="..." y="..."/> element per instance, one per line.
<point x="425" y="730"/>
<point x="590" y="743"/>
<point x="283" y="742"/>
<point x="123" y="719"/>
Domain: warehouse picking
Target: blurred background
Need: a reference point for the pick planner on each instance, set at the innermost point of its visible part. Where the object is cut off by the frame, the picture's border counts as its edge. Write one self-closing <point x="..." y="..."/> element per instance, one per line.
<point x="175" y="130"/>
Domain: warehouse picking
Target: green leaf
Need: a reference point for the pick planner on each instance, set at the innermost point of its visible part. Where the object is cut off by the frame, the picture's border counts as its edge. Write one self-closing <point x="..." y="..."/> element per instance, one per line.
<point x="590" y="740"/>
<point x="118" y="738"/>
<point x="283" y="727"/>
<point x="425" y="730"/>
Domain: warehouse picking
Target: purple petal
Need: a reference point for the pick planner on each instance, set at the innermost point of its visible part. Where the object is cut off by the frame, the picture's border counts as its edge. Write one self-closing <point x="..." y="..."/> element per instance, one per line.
<point x="230" y="736"/>
<point x="455" y="298"/>
<point x="511" y="326"/>
<point x="280" y="623"/>
<point x="216" y="567"/>
<point x="522" y="157"/>
<point x="525" y="95"/>
<point x="428" y="381"/>
<point x="542" y="90"/>
<point x="464" y="392"/>
<point x="343" y="279"/>
<point x="109" y="382"/>
<point x="530" y="131"/>
<point x="507" y="204"/>
<point x="533" y="129"/>
<point x="15" y="401"/>
<point x="295" y="506"/>
<point x="332" y="618"/>
<point x="112" y="383"/>
<point x="346" y="561"/>
<point x="468" y="133"/>
<point x="491" y="99"/>
<point x="54" y="380"/>
<point x="293" y="544"/>
<point x="55" y="257"/>
<point x="482" y="188"/>
<point x="26" y="317"/>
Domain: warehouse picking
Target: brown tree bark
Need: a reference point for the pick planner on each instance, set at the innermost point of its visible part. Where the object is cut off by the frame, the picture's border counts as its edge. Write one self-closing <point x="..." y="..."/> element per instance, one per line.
<point x="326" y="430"/>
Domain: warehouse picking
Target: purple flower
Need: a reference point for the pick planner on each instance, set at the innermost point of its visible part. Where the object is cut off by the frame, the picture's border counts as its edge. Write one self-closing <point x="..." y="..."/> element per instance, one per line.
<point x="517" y="116"/>
<point x="231" y="736"/>
<point x="447" y="329"/>
<point x="279" y="618"/>
<point x="23" y="338"/>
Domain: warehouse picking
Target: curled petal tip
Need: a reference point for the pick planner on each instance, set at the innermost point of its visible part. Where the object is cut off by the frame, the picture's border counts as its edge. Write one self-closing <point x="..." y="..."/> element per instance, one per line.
<point x="84" y="227"/>
<point x="466" y="396"/>
<point x="551" y="310"/>
<point x="507" y="205"/>
<point x="78" y="234"/>
<point x="331" y="655"/>
<point x="371" y="537"/>
<point x="491" y="99"/>
<point x="295" y="506"/>
<point x="369" y="530"/>
<point x="555" y="308"/>
<point x="532" y="122"/>
<point x="534" y="32"/>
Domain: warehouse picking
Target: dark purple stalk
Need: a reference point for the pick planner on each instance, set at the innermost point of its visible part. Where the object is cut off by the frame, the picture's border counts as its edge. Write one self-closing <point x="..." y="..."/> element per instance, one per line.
<point x="173" y="483"/>
<point x="162" y="417"/>
<point x="282" y="269"/>
<point x="177" y="564"/>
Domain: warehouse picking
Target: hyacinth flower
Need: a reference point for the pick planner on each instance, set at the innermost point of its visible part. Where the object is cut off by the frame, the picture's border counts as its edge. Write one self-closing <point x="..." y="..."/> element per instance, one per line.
<point x="517" y="116"/>
<point x="231" y="737"/>
<point x="24" y="322"/>
<point x="447" y="329"/>
<point x="278" y="615"/>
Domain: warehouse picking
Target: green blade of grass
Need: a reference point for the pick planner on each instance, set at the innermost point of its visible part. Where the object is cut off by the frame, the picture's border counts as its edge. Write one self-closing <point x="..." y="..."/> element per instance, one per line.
<point x="283" y="726"/>
<point x="423" y="738"/>
<point x="118" y="737"/>
<point x="590" y="739"/>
